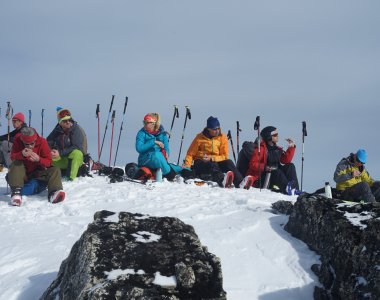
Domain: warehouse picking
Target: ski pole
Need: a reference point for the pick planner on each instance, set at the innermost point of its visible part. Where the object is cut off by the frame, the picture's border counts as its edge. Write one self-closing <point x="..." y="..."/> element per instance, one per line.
<point x="113" y="126"/>
<point x="304" y="133"/>
<point x="229" y="136"/>
<point x="42" y="122"/>
<point x="0" y="117"/>
<point x="175" y="115"/>
<point x="98" y="117"/>
<point x="121" y="129"/>
<point x="30" y="117"/>
<point x="9" y="114"/>
<point x="256" y="126"/>
<point x="237" y="136"/>
<point x="105" y="131"/>
<point x="188" y="116"/>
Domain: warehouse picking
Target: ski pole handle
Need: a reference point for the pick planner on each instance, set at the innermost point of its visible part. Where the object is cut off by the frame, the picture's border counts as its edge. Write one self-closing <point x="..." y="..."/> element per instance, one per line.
<point x="113" y="97"/>
<point x="97" y="110"/>
<point x="188" y="113"/>
<point x="304" y="131"/>
<point x="176" y="111"/>
<point x="125" y="104"/>
<point x="257" y="123"/>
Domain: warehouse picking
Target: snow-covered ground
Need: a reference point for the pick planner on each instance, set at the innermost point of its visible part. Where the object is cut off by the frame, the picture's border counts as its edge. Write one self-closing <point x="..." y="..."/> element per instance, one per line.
<point x="260" y="260"/>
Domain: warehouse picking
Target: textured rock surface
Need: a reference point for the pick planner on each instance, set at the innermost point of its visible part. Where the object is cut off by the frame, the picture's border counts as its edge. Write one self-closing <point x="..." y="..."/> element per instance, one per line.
<point x="131" y="256"/>
<point x="348" y="239"/>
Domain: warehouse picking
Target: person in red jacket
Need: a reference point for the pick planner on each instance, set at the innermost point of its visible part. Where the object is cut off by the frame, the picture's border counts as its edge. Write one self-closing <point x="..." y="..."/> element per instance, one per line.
<point x="32" y="168"/>
<point x="274" y="159"/>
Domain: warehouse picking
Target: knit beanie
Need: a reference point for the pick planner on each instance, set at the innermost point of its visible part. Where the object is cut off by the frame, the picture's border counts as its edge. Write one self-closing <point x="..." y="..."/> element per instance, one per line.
<point x="19" y="116"/>
<point x="267" y="133"/>
<point x="63" y="114"/>
<point x="213" y="123"/>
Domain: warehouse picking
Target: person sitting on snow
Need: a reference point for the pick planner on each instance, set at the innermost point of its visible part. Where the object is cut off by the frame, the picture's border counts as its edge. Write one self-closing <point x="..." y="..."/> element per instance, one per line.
<point x="31" y="170"/>
<point x="353" y="180"/>
<point x="272" y="158"/>
<point x="152" y="144"/>
<point x="208" y="157"/>
<point x="18" y="122"/>
<point x="68" y="144"/>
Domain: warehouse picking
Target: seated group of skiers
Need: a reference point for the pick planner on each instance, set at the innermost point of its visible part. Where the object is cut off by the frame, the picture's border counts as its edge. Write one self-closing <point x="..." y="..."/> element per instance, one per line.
<point x="36" y="164"/>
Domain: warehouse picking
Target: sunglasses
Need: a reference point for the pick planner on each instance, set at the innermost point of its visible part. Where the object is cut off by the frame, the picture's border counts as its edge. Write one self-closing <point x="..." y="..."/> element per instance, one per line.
<point x="64" y="113"/>
<point x="276" y="134"/>
<point x="66" y="121"/>
<point x="149" y="122"/>
<point x="215" y="129"/>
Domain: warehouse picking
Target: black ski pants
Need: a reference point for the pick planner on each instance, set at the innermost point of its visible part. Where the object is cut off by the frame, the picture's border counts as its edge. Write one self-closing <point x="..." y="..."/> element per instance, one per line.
<point x="282" y="176"/>
<point x="210" y="170"/>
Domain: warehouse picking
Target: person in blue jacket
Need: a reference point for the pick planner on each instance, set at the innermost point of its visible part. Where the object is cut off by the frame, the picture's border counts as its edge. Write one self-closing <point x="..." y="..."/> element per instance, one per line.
<point x="152" y="144"/>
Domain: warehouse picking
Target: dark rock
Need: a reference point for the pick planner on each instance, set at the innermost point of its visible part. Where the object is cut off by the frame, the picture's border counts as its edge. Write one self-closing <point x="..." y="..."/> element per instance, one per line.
<point x="347" y="237"/>
<point x="283" y="207"/>
<point x="138" y="257"/>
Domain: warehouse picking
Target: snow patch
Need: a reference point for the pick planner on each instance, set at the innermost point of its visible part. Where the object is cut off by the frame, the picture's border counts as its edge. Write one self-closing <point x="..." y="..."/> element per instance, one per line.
<point x="112" y="219"/>
<point x="146" y="237"/>
<point x="164" y="281"/>
<point x="111" y="275"/>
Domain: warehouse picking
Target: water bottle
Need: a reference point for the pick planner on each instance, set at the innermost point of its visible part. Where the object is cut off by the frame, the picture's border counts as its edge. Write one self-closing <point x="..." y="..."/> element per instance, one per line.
<point x="328" y="193"/>
<point x="159" y="175"/>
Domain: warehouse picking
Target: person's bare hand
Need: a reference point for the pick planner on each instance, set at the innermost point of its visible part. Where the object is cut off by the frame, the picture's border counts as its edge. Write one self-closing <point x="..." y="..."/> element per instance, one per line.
<point x="206" y="157"/>
<point x="356" y="173"/>
<point x="160" y="144"/>
<point x="34" y="157"/>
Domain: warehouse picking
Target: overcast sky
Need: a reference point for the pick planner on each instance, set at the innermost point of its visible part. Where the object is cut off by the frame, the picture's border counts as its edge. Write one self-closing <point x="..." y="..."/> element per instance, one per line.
<point x="287" y="61"/>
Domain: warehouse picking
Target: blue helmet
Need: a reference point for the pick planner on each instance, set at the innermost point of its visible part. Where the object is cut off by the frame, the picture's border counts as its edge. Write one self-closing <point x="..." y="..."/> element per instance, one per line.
<point x="361" y="156"/>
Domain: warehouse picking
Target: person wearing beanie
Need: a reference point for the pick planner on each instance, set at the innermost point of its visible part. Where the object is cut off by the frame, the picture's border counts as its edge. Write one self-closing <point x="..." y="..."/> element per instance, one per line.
<point x="353" y="180"/>
<point x="68" y="144"/>
<point x="152" y="144"/>
<point x="6" y="140"/>
<point x="208" y="158"/>
<point x="31" y="170"/>
<point x="274" y="160"/>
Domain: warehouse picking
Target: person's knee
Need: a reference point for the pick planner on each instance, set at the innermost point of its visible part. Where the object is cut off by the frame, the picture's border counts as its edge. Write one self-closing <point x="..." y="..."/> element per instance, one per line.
<point x="76" y="155"/>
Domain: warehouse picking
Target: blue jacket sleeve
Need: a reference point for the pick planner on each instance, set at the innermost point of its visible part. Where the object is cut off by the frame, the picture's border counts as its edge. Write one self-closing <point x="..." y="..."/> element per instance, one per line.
<point x="143" y="145"/>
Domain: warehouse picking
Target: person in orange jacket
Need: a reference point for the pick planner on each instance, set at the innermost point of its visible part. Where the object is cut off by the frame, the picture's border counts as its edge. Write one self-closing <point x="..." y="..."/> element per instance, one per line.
<point x="208" y="157"/>
<point x="275" y="160"/>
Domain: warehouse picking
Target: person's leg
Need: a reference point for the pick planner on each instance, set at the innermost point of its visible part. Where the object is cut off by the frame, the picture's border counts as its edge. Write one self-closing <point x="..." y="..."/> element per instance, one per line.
<point x="228" y="165"/>
<point x="52" y="177"/>
<point x="277" y="179"/>
<point x="75" y="161"/>
<point x="16" y="175"/>
<point x="358" y="192"/>
<point x="290" y="173"/>
<point x="62" y="163"/>
<point x="6" y="153"/>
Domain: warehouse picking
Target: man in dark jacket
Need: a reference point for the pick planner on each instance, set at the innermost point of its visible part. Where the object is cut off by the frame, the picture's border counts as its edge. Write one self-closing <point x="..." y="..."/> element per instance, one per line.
<point x="68" y="144"/>
<point x="6" y="140"/>
<point x="31" y="169"/>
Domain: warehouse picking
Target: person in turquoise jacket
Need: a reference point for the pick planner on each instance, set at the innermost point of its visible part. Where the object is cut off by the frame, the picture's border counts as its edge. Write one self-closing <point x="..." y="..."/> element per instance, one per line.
<point x="152" y="144"/>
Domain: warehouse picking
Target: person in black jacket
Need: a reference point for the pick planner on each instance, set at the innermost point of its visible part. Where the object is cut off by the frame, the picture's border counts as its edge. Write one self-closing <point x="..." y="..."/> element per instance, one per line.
<point x="18" y="122"/>
<point x="68" y="144"/>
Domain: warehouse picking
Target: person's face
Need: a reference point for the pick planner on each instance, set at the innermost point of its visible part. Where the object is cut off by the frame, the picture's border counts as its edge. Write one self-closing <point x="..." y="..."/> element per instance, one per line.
<point x="66" y="124"/>
<point x="16" y="123"/>
<point x="214" y="131"/>
<point x="30" y="145"/>
<point x="149" y="125"/>
<point x="275" y="138"/>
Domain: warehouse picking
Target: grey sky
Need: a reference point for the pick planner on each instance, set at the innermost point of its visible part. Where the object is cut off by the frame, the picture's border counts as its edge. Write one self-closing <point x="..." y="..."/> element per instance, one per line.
<point x="287" y="61"/>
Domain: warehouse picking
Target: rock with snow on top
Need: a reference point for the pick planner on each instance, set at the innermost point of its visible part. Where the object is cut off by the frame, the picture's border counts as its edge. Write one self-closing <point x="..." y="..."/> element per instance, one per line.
<point x="138" y="257"/>
<point x="347" y="238"/>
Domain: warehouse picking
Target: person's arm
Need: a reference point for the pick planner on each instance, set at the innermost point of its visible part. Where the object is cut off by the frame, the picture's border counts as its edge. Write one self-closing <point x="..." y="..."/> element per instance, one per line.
<point x="191" y="153"/>
<point x="143" y="145"/>
<point x="256" y="158"/>
<point x="344" y="171"/>
<point x="77" y="140"/>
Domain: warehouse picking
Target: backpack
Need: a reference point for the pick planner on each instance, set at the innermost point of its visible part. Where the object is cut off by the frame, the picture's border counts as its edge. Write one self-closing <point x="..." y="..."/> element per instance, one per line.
<point x="244" y="156"/>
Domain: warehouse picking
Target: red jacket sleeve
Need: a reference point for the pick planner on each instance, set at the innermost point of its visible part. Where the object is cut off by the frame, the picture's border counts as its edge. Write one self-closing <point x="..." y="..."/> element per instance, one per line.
<point x="45" y="154"/>
<point x="287" y="156"/>
<point x="255" y="159"/>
